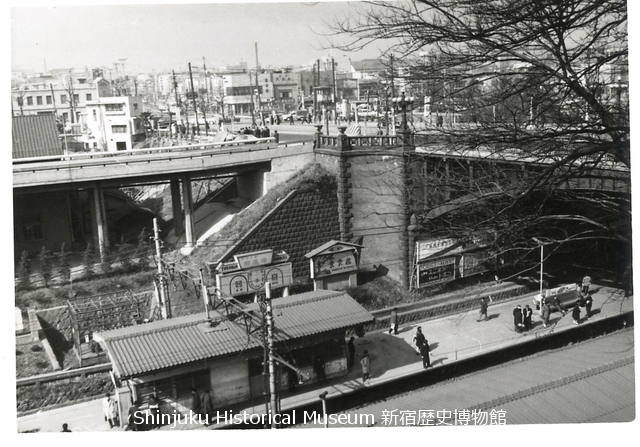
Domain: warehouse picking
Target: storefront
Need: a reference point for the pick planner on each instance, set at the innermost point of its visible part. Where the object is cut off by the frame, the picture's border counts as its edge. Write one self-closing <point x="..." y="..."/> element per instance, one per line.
<point x="169" y="358"/>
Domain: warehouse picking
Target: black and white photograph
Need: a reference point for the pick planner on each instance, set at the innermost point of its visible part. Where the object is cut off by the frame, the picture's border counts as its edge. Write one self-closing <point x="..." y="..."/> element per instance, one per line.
<point x="250" y="215"/>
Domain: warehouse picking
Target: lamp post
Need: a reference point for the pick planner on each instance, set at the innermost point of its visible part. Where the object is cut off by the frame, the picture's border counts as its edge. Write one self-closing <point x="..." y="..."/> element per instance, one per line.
<point x="400" y="104"/>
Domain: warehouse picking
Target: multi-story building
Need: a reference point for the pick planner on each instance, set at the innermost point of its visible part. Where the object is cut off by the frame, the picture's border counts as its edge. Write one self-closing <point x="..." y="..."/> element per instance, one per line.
<point x="66" y="97"/>
<point x="114" y="124"/>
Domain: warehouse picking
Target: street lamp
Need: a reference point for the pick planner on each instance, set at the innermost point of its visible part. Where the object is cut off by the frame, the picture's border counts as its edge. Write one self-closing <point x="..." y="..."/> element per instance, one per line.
<point x="541" y="244"/>
<point x="323" y="398"/>
<point x="400" y="104"/>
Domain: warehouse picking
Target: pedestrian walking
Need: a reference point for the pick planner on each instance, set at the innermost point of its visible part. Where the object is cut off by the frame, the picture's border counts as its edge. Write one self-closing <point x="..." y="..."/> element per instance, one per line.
<point x="352" y="352"/>
<point x="526" y="317"/>
<point x="207" y="406"/>
<point x="394" y="321"/>
<point x="134" y="418"/>
<point x="484" y="306"/>
<point x="424" y="351"/>
<point x="418" y="339"/>
<point x="586" y="283"/>
<point x="365" y="362"/>
<point x="546" y="313"/>
<point x="588" y="302"/>
<point x="575" y="314"/>
<point x="517" y="318"/>
<point x="318" y="367"/>
<point x="196" y="404"/>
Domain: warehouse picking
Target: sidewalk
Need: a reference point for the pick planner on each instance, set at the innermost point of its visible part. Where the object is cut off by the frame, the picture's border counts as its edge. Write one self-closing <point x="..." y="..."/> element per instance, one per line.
<point x="451" y="338"/>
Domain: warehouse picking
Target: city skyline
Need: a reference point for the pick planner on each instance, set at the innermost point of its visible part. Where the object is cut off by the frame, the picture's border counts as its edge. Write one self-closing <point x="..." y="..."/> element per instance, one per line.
<point x="156" y="37"/>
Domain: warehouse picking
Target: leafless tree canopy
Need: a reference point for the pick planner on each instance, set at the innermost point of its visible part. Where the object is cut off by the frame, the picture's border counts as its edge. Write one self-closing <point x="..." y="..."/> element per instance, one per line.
<point x="543" y="81"/>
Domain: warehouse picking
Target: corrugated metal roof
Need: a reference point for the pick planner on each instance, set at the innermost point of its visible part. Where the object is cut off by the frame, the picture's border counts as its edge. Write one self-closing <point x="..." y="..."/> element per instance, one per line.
<point x="161" y="344"/>
<point x="35" y="136"/>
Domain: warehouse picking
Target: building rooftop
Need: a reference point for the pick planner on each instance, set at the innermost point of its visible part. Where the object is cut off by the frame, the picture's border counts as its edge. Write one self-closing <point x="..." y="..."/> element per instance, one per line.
<point x="149" y="347"/>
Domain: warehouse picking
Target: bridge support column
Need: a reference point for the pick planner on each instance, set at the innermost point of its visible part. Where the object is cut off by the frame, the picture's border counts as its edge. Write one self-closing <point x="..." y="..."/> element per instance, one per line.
<point x="99" y="221"/>
<point x="345" y="213"/>
<point x="406" y="241"/>
<point x="187" y="200"/>
<point x="176" y="207"/>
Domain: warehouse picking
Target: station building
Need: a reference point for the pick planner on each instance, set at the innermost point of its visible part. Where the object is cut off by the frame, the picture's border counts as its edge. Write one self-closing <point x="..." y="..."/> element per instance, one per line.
<point x="218" y="352"/>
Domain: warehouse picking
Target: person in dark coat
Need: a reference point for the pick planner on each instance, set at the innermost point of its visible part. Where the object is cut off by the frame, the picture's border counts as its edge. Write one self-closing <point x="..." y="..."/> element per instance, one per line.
<point x="352" y="352"/>
<point x="196" y="405"/>
<point x="484" y="306"/>
<point x="207" y="406"/>
<point x="546" y="313"/>
<point x="318" y="367"/>
<point x="527" y="312"/>
<point x="424" y="351"/>
<point x="394" y="321"/>
<point x="517" y="318"/>
<point x="575" y="314"/>
<point x="134" y="417"/>
<point x="588" y="302"/>
<point x="419" y="339"/>
<point x="65" y="428"/>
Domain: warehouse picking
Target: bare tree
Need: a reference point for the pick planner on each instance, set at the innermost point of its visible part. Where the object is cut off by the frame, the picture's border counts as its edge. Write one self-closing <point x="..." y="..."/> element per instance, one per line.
<point x="539" y="85"/>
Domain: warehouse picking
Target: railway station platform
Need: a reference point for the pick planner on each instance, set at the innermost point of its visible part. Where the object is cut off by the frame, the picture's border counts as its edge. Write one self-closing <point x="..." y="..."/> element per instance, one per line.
<point x="453" y="338"/>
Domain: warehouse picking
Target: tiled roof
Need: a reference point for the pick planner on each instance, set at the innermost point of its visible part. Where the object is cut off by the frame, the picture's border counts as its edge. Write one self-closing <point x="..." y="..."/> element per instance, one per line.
<point x="35" y="136"/>
<point x="162" y="344"/>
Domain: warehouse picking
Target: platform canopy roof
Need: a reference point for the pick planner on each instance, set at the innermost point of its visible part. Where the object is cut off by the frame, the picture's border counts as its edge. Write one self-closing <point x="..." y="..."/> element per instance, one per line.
<point x="150" y="347"/>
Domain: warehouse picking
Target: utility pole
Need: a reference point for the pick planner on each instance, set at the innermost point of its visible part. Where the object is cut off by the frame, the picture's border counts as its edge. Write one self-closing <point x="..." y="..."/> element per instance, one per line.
<point x="205" y="101"/>
<point x="193" y="97"/>
<point x="163" y="296"/>
<point x="273" y="391"/>
<point x="252" y="106"/>
<point x="335" y="92"/>
<point x="258" y="88"/>
<point x="175" y="92"/>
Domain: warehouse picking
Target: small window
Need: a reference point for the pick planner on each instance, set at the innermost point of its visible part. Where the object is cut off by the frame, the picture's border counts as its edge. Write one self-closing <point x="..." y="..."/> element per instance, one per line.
<point x="29" y="100"/>
<point x="39" y="100"/>
<point x="119" y="129"/>
<point x="63" y="99"/>
<point x="113" y="107"/>
<point x="49" y="99"/>
<point x="76" y="99"/>
<point x="89" y="97"/>
<point x="95" y="115"/>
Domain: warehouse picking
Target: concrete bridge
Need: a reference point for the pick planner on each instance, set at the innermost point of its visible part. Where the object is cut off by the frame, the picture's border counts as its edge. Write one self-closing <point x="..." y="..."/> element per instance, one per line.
<point x="255" y="164"/>
<point x="373" y="175"/>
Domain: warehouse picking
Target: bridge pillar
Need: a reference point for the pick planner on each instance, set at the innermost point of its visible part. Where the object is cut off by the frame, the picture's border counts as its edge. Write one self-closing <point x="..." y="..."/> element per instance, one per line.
<point x="345" y="213"/>
<point x="176" y="206"/>
<point x="99" y="221"/>
<point x="406" y="243"/>
<point x="187" y="200"/>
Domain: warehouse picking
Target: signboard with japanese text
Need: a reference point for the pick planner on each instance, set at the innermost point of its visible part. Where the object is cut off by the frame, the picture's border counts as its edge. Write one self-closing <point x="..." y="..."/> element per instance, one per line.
<point x="435" y="272"/>
<point x="252" y="280"/>
<point x="333" y="263"/>
<point x="477" y="262"/>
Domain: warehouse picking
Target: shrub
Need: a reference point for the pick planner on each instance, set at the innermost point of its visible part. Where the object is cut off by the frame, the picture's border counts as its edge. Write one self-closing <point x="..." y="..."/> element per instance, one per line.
<point x="45" y="265"/>
<point x="64" y="266"/>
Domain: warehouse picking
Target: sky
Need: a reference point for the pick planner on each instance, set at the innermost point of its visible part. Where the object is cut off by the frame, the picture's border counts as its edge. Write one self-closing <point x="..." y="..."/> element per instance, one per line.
<point x="161" y="36"/>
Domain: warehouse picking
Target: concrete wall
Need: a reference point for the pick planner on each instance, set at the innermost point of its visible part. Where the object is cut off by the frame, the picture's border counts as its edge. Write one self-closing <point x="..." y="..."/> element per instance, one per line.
<point x="53" y="211"/>
<point x="283" y="168"/>
<point x="250" y="186"/>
